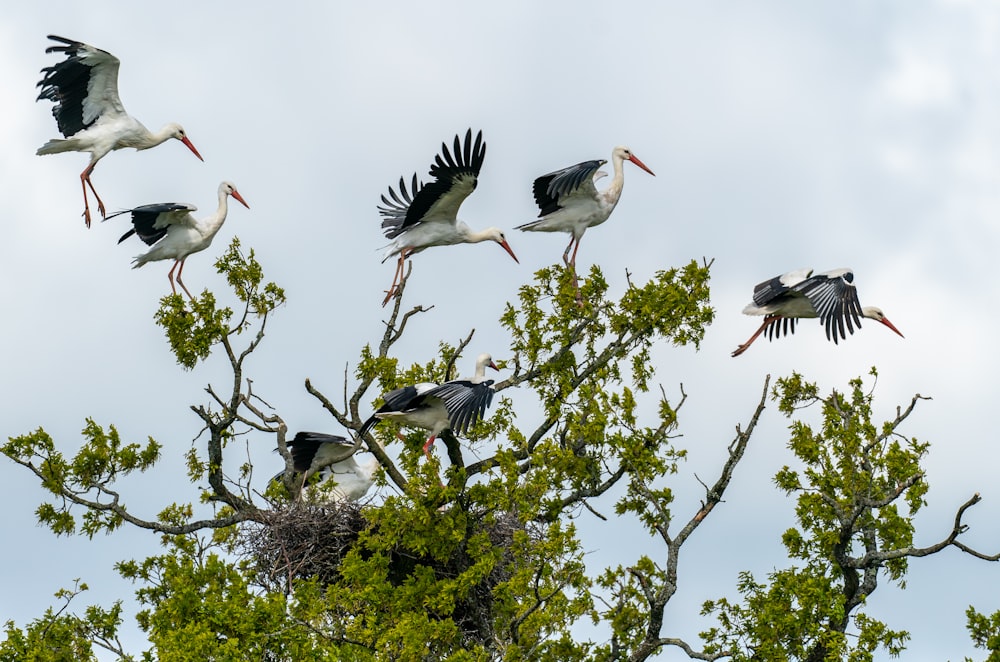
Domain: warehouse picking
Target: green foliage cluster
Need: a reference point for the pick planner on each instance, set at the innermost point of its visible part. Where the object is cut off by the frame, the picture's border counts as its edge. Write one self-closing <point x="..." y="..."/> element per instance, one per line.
<point x="985" y="631"/>
<point x="478" y="558"/>
<point x="857" y="492"/>
<point x="84" y="480"/>
<point x="193" y="332"/>
<point x="59" y="637"/>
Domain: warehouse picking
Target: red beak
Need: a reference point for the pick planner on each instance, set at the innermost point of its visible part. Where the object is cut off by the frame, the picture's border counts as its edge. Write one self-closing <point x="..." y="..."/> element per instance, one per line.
<point x="191" y="147"/>
<point x="236" y="194"/>
<point x="494" y="365"/>
<point x="506" y="247"/>
<point x="889" y="324"/>
<point x="642" y="165"/>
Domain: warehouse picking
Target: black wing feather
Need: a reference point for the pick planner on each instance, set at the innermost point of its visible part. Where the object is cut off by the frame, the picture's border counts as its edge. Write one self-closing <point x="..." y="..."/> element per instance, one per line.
<point x="66" y="84"/>
<point x="399" y="399"/>
<point x="835" y="299"/>
<point x="394" y="213"/>
<point x="783" y="326"/>
<point x="771" y="290"/>
<point x="305" y="445"/>
<point x="144" y="221"/>
<point x="465" y="401"/>
<point x="550" y="188"/>
<point x="401" y="215"/>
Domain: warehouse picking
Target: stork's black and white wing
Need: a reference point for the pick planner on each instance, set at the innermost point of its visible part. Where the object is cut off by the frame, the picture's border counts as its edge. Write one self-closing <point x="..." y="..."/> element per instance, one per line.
<point x="84" y="86"/>
<point x="554" y="189"/>
<point x="305" y="446"/>
<point x="835" y="299"/>
<point x="151" y="222"/>
<point x="455" y="178"/>
<point x="401" y="399"/>
<point x="773" y="290"/>
<point x="465" y="401"/>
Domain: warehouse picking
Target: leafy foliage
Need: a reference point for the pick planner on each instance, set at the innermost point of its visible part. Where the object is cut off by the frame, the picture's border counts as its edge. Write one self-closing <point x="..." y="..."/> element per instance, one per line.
<point x="85" y="480"/>
<point x="478" y="557"/>
<point x="58" y="637"/>
<point x="192" y="333"/>
<point x="985" y="632"/>
<point x="858" y="490"/>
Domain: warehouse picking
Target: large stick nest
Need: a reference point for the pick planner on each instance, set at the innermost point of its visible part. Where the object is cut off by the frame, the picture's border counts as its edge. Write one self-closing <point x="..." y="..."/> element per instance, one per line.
<point x="302" y="542"/>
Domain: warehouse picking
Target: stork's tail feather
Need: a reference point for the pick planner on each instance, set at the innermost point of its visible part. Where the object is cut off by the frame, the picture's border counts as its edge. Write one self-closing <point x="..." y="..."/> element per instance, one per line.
<point x="368" y="425"/>
<point x="391" y="250"/>
<point x="56" y="146"/>
<point x="528" y="226"/>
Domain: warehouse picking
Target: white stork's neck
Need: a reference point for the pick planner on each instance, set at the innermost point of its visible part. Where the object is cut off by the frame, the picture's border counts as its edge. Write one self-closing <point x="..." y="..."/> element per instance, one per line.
<point x="614" y="189"/>
<point x="482" y="362"/>
<point x="142" y="138"/>
<point x="470" y="236"/>
<point x="152" y="139"/>
<point x="211" y="224"/>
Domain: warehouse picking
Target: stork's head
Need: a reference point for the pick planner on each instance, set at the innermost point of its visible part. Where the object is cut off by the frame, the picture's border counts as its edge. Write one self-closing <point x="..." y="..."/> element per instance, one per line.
<point x="484" y="361"/>
<point x="230" y="189"/>
<point x="625" y="154"/>
<point x="873" y="313"/>
<point x="496" y="235"/>
<point x="176" y="131"/>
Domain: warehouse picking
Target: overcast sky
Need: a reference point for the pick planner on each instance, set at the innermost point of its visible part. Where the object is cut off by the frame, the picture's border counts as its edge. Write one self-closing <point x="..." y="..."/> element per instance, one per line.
<point x="786" y="135"/>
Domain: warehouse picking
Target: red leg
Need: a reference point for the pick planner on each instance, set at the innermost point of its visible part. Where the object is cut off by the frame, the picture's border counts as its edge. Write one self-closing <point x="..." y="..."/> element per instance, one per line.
<point x="427" y="446"/>
<point x="572" y="265"/>
<point x="395" y="279"/>
<point x="84" y="183"/>
<point x="100" y="203"/>
<point x="572" y="238"/>
<point x="170" y="276"/>
<point x="84" y="180"/>
<point x="179" y="271"/>
<point x="575" y="249"/>
<point x="768" y="321"/>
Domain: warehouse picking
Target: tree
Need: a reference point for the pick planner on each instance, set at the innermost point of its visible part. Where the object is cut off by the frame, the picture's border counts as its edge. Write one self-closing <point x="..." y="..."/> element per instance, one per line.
<point x="859" y="490"/>
<point x="478" y="557"/>
<point x="985" y="631"/>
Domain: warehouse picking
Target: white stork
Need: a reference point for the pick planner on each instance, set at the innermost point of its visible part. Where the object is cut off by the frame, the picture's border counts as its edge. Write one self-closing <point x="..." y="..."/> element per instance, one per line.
<point x="333" y="458"/>
<point x="89" y="112"/>
<point x="427" y="215"/>
<point x="830" y="296"/>
<point x="569" y="202"/>
<point x="174" y="233"/>
<point x="454" y="405"/>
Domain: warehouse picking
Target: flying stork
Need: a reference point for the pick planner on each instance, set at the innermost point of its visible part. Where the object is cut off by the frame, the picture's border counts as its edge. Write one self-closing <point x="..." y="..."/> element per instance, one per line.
<point x="174" y="233"/>
<point x="427" y="215"/>
<point x="830" y="296"/>
<point x="569" y="202"/>
<point x="89" y="113"/>
<point x="454" y="405"/>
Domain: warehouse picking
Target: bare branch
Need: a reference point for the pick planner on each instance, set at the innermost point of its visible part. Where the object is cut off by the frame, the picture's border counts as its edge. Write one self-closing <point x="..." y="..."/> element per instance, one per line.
<point x="951" y="540"/>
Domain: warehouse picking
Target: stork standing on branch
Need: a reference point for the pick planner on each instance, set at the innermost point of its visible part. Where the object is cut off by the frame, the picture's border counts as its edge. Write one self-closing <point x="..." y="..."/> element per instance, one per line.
<point x="456" y="405"/>
<point x="174" y="233"/>
<point x="569" y="202"/>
